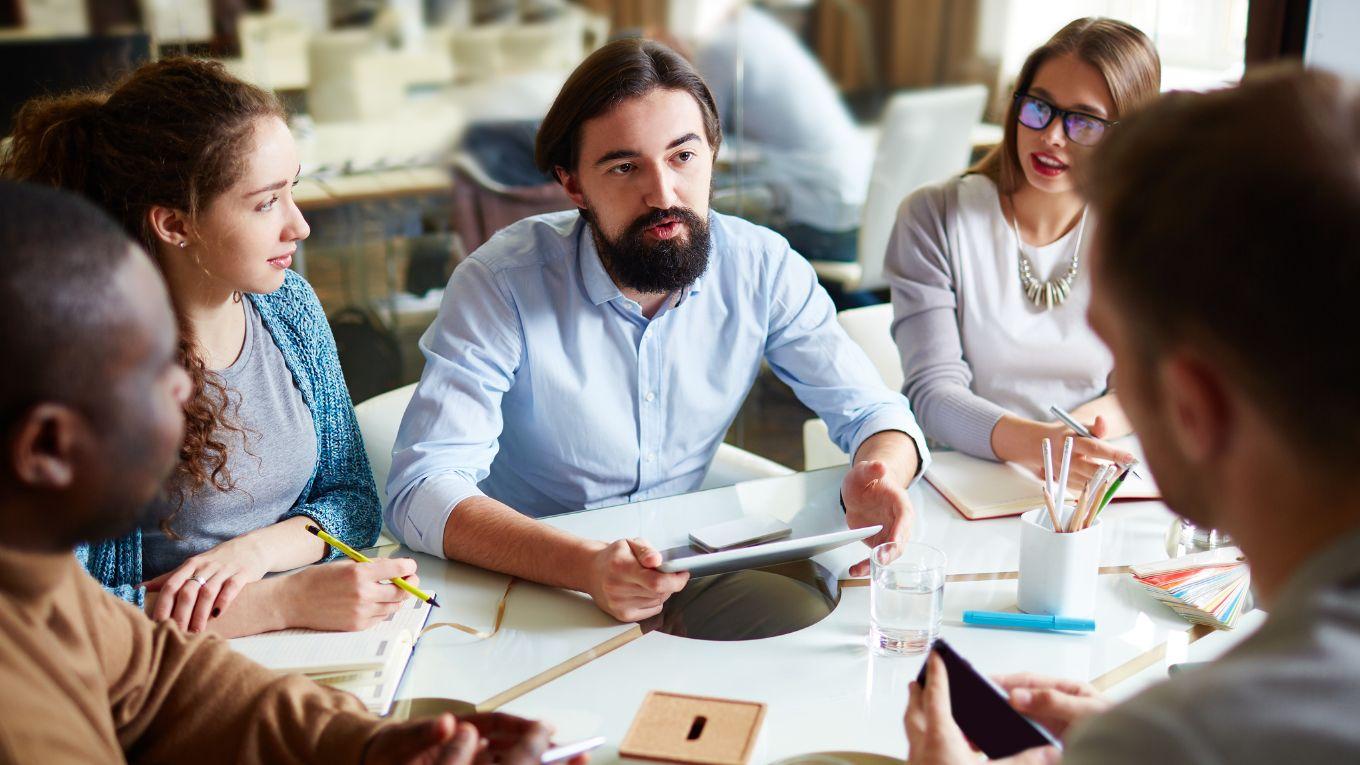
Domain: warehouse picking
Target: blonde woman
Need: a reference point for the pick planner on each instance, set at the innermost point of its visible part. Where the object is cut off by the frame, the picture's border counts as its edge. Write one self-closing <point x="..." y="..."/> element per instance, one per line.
<point x="988" y="271"/>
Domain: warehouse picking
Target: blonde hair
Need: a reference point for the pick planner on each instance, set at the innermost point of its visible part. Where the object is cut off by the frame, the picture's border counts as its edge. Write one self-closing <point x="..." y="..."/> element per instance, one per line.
<point x="1122" y="54"/>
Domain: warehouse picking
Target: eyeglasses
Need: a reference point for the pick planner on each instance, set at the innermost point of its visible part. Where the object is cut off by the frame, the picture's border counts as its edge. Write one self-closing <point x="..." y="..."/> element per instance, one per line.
<point x="1081" y="128"/>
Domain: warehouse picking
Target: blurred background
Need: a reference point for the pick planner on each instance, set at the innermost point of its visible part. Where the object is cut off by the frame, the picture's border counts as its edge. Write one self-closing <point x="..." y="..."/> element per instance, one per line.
<point x="415" y="119"/>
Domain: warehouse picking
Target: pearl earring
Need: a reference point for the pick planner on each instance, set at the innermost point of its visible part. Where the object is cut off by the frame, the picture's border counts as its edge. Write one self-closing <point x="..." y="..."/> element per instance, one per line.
<point x="183" y="245"/>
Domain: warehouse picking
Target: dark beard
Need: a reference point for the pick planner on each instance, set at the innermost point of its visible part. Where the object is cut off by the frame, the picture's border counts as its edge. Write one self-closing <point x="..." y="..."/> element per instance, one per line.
<point x="660" y="267"/>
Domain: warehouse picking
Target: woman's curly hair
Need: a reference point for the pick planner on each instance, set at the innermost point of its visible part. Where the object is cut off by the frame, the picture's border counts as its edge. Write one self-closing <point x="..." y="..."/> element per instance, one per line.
<point x="172" y="134"/>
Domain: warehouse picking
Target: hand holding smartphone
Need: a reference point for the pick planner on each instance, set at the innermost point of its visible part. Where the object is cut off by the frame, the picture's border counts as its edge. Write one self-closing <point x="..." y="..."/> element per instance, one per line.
<point x="983" y="711"/>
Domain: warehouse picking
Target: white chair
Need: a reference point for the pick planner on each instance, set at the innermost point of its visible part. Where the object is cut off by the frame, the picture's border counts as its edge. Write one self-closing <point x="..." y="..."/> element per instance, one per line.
<point x="926" y="137"/>
<point x="733" y="465"/>
<point x="871" y="329"/>
<point x="380" y="416"/>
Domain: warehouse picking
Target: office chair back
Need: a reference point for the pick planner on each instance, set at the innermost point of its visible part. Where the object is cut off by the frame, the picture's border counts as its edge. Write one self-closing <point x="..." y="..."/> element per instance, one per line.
<point x="926" y="137"/>
<point x="379" y="418"/>
<point x="871" y="329"/>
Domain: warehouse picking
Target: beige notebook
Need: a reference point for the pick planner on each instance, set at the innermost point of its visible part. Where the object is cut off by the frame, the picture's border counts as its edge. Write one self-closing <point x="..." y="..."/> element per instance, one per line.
<point x="981" y="489"/>
<point x="368" y="663"/>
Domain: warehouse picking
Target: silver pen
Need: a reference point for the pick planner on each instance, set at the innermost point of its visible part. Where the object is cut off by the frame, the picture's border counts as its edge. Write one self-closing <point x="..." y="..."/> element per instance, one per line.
<point x="1079" y="429"/>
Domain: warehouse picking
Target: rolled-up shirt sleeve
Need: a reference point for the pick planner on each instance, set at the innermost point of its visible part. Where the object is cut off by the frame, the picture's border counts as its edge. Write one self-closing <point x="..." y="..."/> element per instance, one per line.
<point x="449" y="434"/>
<point x="807" y="349"/>
<point x="937" y="377"/>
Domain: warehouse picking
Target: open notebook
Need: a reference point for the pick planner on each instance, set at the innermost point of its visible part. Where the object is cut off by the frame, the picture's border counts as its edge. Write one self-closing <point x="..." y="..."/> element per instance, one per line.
<point x="981" y="489"/>
<point x="368" y="663"/>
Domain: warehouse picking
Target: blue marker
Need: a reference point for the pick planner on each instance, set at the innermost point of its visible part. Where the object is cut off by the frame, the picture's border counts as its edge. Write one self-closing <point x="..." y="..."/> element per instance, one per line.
<point x="1028" y="621"/>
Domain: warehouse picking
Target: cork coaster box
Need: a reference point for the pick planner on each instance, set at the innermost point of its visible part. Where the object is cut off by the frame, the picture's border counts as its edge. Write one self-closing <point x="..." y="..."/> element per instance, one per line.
<point x="671" y="727"/>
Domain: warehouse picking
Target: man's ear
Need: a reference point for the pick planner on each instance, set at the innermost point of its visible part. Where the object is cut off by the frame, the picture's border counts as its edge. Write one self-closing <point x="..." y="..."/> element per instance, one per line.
<point x="169" y="226"/>
<point x="572" y="185"/>
<point x="44" y="445"/>
<point x="1197" y="405"/>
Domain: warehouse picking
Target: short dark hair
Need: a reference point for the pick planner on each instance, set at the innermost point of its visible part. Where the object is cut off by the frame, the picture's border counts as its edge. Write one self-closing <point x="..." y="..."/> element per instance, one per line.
<point x="621" y="70"/>
<point x="58" y="255"/>
<point x="1232" y="219"/>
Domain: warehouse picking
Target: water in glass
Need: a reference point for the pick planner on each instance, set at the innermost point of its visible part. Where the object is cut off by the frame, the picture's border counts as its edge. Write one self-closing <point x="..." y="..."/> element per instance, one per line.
<point x="906" y="598"/>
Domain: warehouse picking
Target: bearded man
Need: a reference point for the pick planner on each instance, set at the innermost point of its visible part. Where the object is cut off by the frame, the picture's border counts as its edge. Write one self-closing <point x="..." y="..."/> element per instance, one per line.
<point x="597" y="356"/>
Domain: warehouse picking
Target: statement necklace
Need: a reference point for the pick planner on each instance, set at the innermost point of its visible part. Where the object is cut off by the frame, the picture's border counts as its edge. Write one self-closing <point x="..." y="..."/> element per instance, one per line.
<point x="1051" y="293"/>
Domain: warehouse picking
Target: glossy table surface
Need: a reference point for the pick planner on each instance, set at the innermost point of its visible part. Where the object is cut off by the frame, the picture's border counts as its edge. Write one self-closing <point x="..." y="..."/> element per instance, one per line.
<point x="560" y="659"/>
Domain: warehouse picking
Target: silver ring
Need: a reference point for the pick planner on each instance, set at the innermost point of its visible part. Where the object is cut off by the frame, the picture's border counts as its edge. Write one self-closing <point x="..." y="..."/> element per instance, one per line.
<point x="201" y="580"/>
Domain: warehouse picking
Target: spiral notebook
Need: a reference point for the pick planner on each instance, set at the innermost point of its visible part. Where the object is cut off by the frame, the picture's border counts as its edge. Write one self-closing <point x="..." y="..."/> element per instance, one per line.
<point x="369" y="663"/>
<point x="980" y="489"/>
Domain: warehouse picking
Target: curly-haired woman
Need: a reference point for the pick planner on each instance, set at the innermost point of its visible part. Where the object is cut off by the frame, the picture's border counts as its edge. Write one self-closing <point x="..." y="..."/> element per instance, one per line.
<point x="199" y="166"/>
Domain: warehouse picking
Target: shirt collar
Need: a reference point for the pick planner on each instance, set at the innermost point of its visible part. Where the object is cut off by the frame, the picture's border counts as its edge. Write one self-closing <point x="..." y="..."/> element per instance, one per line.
<point x="600" y="285"/>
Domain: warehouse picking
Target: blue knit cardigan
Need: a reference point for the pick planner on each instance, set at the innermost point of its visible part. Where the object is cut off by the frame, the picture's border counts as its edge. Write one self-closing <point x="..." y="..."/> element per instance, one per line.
<point x="340" y="496"/>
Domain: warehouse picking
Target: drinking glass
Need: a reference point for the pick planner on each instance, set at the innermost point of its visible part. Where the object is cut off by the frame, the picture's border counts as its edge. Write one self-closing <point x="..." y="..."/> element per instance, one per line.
<point x="906" y="597"/>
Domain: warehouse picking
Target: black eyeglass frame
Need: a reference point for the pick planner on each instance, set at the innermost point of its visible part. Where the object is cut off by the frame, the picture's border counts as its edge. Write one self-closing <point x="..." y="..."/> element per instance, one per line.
<point x="1054" y="113"/>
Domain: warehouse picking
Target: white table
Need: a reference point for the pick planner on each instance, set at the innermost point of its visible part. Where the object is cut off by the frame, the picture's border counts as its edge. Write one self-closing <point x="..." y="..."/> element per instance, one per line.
<point x="559" y="659"/>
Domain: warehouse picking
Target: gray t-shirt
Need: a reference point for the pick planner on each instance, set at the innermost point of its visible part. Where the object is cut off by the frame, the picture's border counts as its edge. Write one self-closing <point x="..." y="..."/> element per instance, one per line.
<point x="1288" y="693"/>
<point x="270" y="464"/>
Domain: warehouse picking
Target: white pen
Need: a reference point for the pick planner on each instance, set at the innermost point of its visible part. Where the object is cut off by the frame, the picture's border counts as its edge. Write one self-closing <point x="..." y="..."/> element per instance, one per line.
<point x="567" y="751"/>
<point x="1062" y="478"/>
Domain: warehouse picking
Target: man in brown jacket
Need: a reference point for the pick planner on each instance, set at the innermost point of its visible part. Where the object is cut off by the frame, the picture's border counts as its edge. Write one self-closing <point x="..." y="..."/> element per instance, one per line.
<point x="91" y="418"/>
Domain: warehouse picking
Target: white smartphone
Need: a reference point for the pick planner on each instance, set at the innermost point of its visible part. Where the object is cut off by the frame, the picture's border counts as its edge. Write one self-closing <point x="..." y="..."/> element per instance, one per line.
<point x="750" y="530"/>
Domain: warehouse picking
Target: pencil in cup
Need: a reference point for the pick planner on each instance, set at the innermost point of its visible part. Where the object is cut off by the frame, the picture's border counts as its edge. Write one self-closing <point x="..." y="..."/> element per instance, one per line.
<point x="1089" y="493"/>
<point x="1114" y="487"/>
<point x="359" y="557"/>
<point x="1104" y="486"/>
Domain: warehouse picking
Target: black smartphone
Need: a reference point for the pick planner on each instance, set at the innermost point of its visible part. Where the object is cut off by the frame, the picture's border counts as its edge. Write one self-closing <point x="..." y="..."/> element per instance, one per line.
<point x="983" y="711"/>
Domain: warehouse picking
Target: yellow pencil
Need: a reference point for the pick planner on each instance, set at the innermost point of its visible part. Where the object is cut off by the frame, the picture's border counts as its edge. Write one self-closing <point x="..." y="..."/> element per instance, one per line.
<point x="355" y="555"/>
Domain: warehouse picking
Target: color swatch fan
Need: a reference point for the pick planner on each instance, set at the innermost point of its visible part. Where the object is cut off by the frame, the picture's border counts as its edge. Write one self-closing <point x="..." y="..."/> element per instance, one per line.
<point x="1206" y="588"/>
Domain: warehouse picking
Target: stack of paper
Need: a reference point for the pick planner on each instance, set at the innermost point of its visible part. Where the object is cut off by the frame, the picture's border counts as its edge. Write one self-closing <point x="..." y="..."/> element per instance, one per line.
<point x="368" y="663"/>
<point x="1206" y="588"/>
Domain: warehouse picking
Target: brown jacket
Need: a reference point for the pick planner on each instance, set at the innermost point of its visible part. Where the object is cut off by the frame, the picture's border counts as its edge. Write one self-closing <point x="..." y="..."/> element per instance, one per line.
<point x="85" y="677"/>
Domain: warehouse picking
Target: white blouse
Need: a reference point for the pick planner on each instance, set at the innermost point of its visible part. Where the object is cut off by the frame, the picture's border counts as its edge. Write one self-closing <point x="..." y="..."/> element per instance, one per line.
<point x="973" y="346"/>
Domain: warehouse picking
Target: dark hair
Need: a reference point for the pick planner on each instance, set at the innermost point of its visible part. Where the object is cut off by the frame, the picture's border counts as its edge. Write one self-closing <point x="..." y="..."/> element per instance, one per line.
<point x="1232" y="219"/>
<point x="173" y="134"/>
<point x="59" y="255"/>
<point x="1123" y="55"/>
<point x="621" y="70"/>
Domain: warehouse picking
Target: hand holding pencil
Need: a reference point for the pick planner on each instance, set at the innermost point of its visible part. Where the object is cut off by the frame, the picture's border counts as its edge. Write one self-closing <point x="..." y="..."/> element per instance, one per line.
<point x="1015" y="440"/>
<point x="359" y="557"/>
<point x="1089" y="452"/>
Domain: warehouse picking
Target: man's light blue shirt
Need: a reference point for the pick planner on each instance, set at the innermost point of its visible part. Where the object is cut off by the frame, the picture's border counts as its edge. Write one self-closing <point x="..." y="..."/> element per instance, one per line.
<point x="547" y="389"/>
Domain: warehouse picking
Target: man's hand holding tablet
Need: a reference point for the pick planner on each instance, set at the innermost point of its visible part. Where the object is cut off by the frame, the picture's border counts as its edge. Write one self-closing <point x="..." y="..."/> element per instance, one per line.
<point x="625" y="582"/>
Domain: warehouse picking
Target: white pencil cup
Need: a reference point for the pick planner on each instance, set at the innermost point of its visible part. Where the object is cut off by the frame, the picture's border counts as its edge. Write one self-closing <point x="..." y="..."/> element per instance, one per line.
<point x="1058" y="571"/>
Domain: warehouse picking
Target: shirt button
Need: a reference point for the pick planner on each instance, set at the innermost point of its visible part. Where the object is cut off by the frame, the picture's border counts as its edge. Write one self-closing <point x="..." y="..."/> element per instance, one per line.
<point x="651" y="456"/>
<point x="650" y="397"/>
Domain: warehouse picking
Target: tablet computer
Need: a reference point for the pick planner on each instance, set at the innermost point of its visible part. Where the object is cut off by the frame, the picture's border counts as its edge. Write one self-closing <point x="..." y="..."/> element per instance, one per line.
<point x="700" y="563"/>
